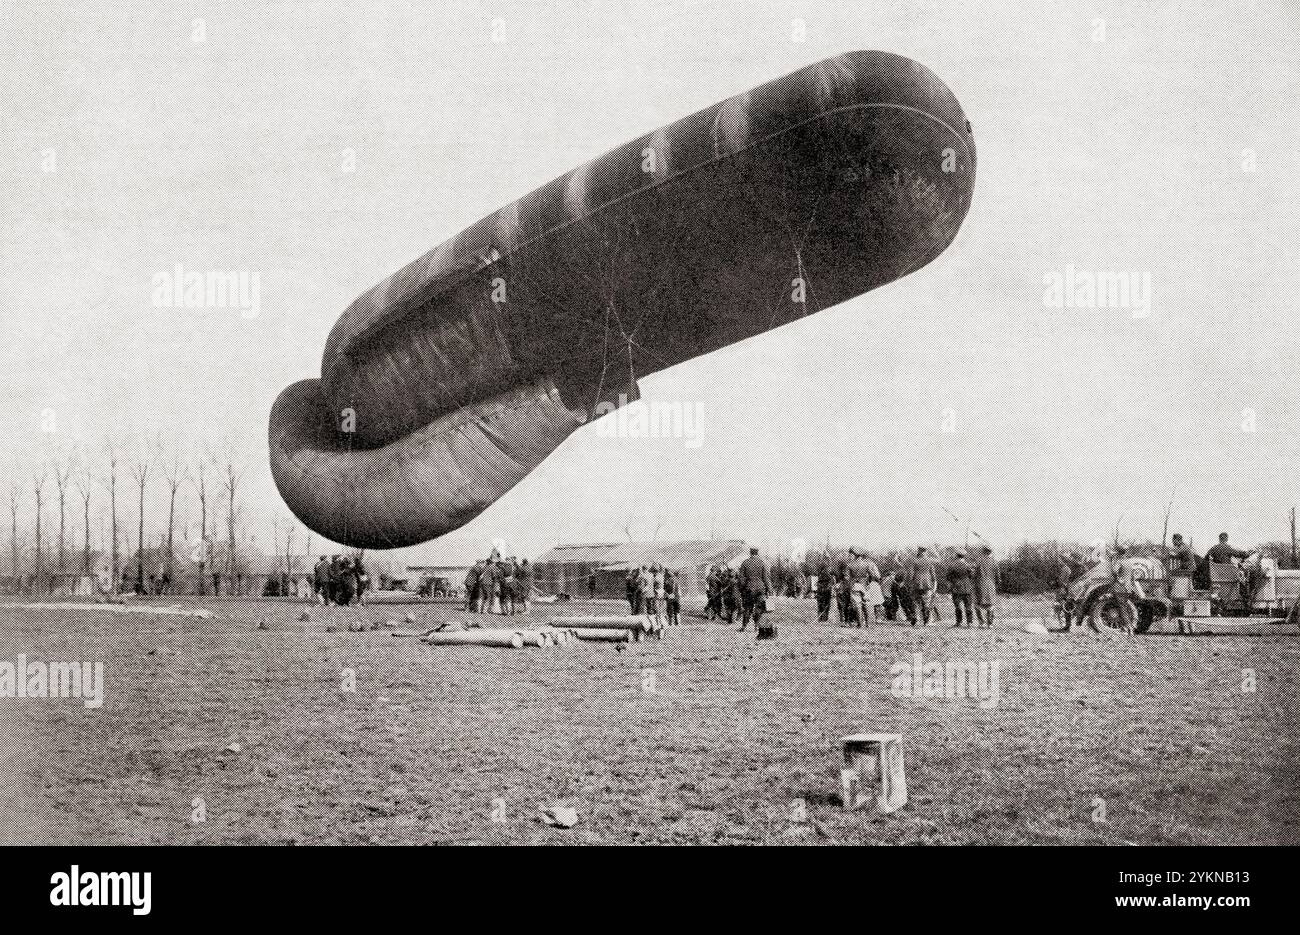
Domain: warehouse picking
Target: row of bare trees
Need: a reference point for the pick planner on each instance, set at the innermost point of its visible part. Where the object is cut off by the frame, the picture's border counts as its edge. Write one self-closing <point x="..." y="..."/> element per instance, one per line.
<point x="214" y="473"/>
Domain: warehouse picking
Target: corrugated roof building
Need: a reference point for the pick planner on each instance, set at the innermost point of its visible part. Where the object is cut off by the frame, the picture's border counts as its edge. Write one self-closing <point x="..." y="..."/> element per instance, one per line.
<point x="569" y="568"/>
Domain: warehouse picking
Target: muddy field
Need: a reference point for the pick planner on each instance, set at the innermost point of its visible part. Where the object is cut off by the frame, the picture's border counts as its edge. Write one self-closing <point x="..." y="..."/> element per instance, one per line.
<point x="216" y="732"/>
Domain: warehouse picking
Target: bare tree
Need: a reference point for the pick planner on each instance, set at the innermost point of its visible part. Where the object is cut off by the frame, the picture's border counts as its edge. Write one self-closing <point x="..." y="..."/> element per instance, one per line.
<point x="62" y="475"/>
<point x="1169" y="509"/>
<point x="1293" y="539"/>
<point x="38" y="488"/>
<point x="174" y="473"/>
<point x="85" y="484"/>
<point x="139" y="467"/>
<point x="232" y="471"/>
<point x="112" y="455"/>
<point x="288" y="558"/>
<point x="199" y="480"/>
<point x="275" y="549"/>
<point x="14" y="493"/>
<point x="282" y="535"/>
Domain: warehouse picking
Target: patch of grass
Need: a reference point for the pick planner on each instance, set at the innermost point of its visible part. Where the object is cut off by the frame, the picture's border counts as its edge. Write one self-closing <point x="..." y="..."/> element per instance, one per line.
<point x="737" y="742"/>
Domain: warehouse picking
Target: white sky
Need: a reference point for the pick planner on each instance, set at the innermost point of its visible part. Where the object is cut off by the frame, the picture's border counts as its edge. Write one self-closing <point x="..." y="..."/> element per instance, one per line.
<point x="1124" y="154"/>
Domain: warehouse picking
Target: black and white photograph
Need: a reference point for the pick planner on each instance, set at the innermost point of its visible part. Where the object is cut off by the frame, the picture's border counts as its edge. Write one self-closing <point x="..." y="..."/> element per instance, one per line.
<point x="783" y="423"/>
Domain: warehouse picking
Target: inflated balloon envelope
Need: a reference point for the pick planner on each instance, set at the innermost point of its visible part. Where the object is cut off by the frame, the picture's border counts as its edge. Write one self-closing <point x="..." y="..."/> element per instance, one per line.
<point x="445" y="385"/>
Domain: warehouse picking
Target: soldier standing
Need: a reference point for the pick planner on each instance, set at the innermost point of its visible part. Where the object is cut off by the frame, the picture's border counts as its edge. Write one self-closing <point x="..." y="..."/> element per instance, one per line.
<point x="509" y="586"/>
<point x="1064" y="575"/>
<point x="923" y="582"/>
<point x="335" y="575"/>
<point x="986" y="585"/>
<point x="825" y="588"/>
<point x="843" y="591"/>
<point x="645" y="583"/>
<point x="660" y="595"/>
<point x="861" y="574"/>
<point x="730" y="584"/>
<point x="487" y="586"/>
<point x="344" y="582"/>
<point x="713" y="593"/>
<point x="523" y="586"/>
<point x="903" y="591"/>
<point x="756" y="584"/>
<point x="1126" y="588"/>
<point x="321" y="579"/>
<point x="502" y="601"/>
<point x="471" y="586"/>
<point x="633" y="591"/>
<point x="673" y="599"/>
<point x="888" y="587"/>
<point x="362" y="580"/>
<point x="961" y="584"/>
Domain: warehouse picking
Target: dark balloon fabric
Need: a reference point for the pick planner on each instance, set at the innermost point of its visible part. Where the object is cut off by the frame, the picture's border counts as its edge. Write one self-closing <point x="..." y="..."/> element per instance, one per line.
<point x="445" y="385"/>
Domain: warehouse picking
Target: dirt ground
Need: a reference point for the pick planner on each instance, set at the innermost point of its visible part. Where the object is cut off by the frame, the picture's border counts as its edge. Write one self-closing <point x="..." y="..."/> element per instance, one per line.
<point x="704" y="737"/>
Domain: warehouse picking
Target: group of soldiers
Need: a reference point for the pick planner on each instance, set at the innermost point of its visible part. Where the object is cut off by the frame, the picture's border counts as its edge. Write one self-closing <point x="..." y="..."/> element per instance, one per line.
<point x="653" y="590"/>
<point x="745" y="589"/>
<point x="723" y="590"/>
<point x="496" y="585"/>
<point x="340" y="579"/>
<point x="863" y="595"/>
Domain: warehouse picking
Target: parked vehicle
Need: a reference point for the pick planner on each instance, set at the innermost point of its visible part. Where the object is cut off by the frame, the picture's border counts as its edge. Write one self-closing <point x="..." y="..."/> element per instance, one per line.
<point x="1256" y="588"/>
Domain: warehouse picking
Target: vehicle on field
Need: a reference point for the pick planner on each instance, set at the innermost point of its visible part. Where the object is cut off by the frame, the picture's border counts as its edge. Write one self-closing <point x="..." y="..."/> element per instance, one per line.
<point x="1228" y="592"/>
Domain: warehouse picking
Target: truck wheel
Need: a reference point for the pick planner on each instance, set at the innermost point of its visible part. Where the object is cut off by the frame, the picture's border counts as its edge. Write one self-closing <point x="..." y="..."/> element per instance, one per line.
<point x="1105" y="614"/>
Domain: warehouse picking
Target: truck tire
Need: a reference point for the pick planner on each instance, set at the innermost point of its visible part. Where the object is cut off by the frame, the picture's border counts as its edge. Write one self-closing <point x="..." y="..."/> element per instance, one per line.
<point x="1105" y="614"/>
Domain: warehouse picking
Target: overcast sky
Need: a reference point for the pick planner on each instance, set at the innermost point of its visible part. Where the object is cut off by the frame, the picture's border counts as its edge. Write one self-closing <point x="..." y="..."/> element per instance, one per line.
<point x="1160" y="141"/>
